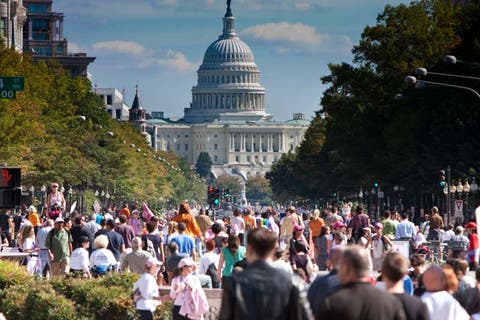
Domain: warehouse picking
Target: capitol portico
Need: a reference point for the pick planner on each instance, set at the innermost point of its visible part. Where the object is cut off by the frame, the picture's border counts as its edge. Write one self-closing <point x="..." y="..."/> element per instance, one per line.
<point x="227" y="116"/>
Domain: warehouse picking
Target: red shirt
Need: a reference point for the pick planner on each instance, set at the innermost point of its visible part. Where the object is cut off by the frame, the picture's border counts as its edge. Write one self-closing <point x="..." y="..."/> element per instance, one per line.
<point x="473" y="242"/>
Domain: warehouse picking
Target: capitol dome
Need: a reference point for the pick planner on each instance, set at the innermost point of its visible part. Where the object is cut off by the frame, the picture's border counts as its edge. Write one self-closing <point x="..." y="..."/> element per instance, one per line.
<point x="228" y="86"/>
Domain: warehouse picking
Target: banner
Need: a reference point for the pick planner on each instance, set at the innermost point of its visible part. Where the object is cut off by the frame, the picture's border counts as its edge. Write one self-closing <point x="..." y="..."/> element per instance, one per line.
<point x="147" y="213"/>
<point x="458" y="208"/>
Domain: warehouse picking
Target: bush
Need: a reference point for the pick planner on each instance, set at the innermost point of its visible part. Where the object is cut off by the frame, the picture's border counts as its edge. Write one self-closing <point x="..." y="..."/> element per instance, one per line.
<point x="23" y="297"/>
<point x="12" y="274"/>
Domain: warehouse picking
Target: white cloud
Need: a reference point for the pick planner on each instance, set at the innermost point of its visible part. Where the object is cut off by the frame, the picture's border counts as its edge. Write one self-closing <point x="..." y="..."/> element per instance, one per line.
<point x="283" y="32"/>
<point x="287" y="37"/>
<point x="119" y="46"/>
<point x="173" y="60"/>
<point x="143" y="58"/>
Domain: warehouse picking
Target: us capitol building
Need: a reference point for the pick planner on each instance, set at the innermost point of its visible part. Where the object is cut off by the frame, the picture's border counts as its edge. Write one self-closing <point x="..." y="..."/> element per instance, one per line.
<point x="227" y="116"/>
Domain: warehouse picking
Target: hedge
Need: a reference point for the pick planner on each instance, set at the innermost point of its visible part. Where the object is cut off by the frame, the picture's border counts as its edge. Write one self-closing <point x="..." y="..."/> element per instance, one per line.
<point x="23" y="297"/>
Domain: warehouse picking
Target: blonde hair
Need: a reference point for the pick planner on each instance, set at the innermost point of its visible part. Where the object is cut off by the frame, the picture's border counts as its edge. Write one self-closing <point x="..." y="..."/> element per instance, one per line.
<point x="100" y="242"/>
<point x="172" y="227"/>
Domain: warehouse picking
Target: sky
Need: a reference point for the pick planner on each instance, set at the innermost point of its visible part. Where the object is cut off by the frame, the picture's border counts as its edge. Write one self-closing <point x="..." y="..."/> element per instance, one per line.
<point x="159" y="45"/>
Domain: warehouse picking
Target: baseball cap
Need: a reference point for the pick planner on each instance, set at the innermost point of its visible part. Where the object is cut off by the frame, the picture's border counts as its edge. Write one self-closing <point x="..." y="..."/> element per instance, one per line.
<point x="471" y="225"/>
<point x="54" y="184"/>
<point x="185" y="262"/>
<point x="151" y="262"/>
<point x="460" y="228"/>
<point x="298" y="228"/>
<point x="378" y="225"/>
<point x="338" y="224"/>
<point x="59" y="220"/>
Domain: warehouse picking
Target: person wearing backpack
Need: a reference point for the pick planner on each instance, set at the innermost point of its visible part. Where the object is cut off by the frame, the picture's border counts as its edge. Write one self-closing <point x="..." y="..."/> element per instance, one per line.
<point x="209" y="263"/>
<point x="381" y="245"/>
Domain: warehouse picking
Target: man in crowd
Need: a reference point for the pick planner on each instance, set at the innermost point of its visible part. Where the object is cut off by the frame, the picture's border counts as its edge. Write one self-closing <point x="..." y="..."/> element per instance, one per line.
<point x="173" y="259"/>
<point x="440" y="304"/>
<point x="40" y="243"/>
<point x="405" y="229"/>
<point x="59" y="245"/>
<point x="115" y="240"/>
<point x="135" y="260"/>
<point x="357" y="299"/>
<point x="125" y="231"/>
<point x="436" y="223"/>
<point x="394" y="269"/>
<point x="286" y="225"/>
<point x="261" y="291"/>
<point x="389" y="225"/>
<point x="323" y="286"/>
<point x="356" y="226"/>
<point x="185" y="243"/>
<point x="470" y="298"/>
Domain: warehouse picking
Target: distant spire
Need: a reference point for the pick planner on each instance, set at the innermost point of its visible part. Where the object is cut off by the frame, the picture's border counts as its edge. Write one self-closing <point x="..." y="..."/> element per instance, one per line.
<point x="136" y="104"/>
<point x="229" y="10"/>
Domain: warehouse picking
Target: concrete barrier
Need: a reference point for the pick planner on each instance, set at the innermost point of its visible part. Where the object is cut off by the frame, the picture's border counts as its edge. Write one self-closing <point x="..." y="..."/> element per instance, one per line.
<point x="214" y="297"/>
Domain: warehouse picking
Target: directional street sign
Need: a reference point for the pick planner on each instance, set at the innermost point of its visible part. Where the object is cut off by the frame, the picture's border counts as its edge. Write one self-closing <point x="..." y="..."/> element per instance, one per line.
<point x="9" y="86"/>
<point x="12" y="83"/>
<point x="7" y="94"/>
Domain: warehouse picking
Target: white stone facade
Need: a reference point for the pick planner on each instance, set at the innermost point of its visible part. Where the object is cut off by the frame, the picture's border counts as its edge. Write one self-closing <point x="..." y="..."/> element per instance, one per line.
<point x="114" y="103"/>
<point x="13" y="16"/>
<point x="227" y="116"/>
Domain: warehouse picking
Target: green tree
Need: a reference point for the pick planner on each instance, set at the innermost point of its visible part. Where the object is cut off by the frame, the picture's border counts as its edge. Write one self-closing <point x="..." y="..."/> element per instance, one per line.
<point x="229" y="182"/>
<point x="258" y="190"/>
<point x="204" y="165"/>
<point x="283" y="177"/>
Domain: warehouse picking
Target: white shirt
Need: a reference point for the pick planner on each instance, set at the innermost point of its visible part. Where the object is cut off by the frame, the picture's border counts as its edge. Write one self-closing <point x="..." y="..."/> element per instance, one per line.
<point x="443" y="306"/>
<point x="238" y="225"/>
<point x="102" y="257"/>
<point x="148" y="288"/>
<point x="282" y="265"/>
<point x="206" y="260"/>
<point x="79" y="259"/>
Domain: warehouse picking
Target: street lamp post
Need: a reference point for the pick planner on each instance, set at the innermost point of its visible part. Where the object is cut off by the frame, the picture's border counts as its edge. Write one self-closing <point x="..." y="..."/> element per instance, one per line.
<point x="473" y="189"/>
<point x="32" y="191"/>
<point x="413" y="80"/>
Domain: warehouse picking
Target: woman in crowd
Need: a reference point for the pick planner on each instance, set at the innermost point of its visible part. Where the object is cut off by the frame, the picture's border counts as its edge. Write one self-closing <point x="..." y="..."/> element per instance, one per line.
<point x="27" y="243"/>
<point x="55" y="202"/>
<point x="230" y="255"/>
<point x="79" y="260"/>
<point x="322" y="244"/>
<point x="145" y="290"/>
<point x="102" y="260"/>
<point x="185" y="289"/>
<point x="237" y="224"/>
<point x="297" y="237"/>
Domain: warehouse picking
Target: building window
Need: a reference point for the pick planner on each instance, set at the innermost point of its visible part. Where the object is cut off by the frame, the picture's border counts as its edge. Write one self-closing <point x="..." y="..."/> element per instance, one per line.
<point x="248" y="158"/>
<point x="237" y="159"/>
<point x="215" y="146"/>
<point x="215" y="158"/>
<point x="186" y="147"/>
<point x="118" y="114"/>
<point x="215" y="135"/>
<point x="186" y="136"/>
<point x="291" y="147"/>
<point x="109" y="99"/>
<point x="178" y="147"/>
<point x="264" y="159"/>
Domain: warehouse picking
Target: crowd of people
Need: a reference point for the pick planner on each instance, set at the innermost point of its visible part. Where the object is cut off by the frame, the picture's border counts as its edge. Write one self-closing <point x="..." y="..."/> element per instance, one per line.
<point x="322" y="265"/>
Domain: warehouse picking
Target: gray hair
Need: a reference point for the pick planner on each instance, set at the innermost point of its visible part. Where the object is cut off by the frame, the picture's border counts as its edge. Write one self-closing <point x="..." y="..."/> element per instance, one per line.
<point x="100" y="242"/>
<point x="357" y="258"/>
<point x="136" y="243"/>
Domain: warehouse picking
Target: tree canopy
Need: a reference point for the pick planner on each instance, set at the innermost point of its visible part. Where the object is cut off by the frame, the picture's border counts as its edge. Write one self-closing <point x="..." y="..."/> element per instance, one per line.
<point x="365" y="131"/>
<point x="57" y="129"/>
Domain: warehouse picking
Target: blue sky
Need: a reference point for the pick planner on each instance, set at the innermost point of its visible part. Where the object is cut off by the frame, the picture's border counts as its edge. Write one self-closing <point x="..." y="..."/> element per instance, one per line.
<point x="159" y="44"/>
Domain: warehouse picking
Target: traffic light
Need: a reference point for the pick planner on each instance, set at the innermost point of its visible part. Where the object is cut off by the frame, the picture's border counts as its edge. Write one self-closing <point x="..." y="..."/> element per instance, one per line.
<point x="10" y="178"/>
<point x="375" y="184"/>
<point x="210" y="194"/>
<point x="225" y="193"/>
<point x="443" y="181"/>
<point x="10" y="192"/>
<point x="216" y="199"/>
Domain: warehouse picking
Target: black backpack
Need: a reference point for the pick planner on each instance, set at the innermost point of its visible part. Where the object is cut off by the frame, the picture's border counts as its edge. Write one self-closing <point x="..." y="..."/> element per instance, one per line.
<point x="212" y="272"/>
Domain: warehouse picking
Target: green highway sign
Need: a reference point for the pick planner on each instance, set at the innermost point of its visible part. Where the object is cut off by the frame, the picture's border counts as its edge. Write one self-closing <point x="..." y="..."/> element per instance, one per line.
<point x="12" y="83"/>
<point x="7" y="94"/>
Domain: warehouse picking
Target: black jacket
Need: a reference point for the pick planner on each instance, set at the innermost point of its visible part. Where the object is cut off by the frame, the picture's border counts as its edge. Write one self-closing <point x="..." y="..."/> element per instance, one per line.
<point x="263" y="292"/>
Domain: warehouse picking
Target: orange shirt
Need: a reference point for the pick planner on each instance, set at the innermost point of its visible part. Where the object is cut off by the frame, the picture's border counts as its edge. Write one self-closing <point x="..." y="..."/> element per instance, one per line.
<point x="192" y="226"/>
<point x="125" y="212"/>
<point x="316" y="226"/>
<point x="250" y="221"/>
<point x="34" y="219"/>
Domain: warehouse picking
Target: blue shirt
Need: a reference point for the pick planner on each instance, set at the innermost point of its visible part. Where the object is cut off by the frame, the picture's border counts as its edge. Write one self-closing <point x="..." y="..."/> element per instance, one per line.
<point x="184" y="243"/>
<point x="405" y="229"/>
